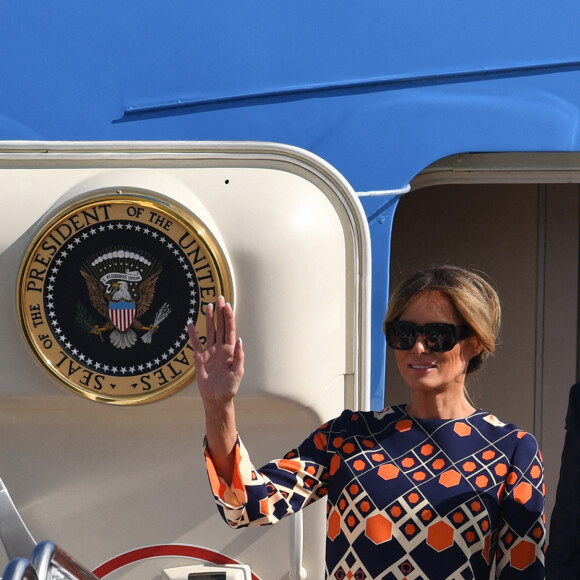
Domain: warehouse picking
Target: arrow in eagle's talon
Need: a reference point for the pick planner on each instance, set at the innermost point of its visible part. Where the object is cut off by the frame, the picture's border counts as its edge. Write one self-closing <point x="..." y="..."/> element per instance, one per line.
<point x="161" y="315"/>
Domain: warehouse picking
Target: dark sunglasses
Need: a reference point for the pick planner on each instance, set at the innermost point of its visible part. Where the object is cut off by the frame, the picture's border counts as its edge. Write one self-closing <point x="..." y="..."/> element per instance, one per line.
<point x="437" y="336"/>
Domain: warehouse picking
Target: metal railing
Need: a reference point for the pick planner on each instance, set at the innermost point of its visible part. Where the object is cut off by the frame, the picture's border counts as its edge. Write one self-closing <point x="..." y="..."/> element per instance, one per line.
<point x="47" y="562"/>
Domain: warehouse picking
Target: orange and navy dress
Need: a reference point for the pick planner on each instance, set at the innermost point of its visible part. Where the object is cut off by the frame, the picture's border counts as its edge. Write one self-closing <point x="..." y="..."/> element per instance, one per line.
<point x="406" y="498"/>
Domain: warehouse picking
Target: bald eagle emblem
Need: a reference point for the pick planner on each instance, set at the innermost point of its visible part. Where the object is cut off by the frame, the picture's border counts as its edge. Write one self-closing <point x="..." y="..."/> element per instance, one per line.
<point x="121" y="284"/>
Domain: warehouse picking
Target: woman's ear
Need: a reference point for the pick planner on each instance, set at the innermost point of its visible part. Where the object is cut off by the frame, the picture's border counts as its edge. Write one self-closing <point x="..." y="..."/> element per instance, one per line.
<point x="474" y="352"/>
<point x="476" y="348"/>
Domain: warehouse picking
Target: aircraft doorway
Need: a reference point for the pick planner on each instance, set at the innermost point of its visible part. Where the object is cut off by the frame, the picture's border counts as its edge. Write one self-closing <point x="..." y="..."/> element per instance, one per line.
<point x="524" y="235"/>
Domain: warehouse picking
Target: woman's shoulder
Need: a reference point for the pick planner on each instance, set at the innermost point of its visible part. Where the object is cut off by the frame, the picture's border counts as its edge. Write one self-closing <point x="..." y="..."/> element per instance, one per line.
<point x="495" y="429"/>
<point x="485" y="418"/>
<point x="494" y="422"/>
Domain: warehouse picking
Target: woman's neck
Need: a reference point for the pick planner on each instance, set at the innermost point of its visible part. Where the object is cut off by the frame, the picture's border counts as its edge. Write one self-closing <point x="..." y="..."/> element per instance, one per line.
<point x="439" y="406"/>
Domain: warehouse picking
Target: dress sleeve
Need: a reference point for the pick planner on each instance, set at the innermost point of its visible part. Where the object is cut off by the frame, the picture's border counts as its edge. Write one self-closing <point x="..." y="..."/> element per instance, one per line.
<point x="521" y="539"/>
<point x="263" y="496"/>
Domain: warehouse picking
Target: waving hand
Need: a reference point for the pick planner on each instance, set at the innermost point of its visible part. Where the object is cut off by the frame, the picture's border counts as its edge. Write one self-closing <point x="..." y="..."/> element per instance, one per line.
<point x="219" y="367"/>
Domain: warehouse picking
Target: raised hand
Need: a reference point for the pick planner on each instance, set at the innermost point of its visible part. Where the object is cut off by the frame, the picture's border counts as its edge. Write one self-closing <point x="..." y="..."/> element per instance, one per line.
<point x="220" y="364"/>
<point x="219" y="368"/>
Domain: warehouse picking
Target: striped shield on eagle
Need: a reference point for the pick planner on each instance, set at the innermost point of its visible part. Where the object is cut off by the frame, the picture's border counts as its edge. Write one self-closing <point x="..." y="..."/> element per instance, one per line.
<point x="122" y="314"/>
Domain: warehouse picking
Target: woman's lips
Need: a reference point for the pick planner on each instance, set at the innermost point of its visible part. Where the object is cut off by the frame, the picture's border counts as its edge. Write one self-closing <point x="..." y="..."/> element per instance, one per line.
<point x="422" y="366"/>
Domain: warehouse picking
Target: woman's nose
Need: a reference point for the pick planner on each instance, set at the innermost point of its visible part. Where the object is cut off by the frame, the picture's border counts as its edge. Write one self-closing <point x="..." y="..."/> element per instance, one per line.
<point x="419" y="345"/>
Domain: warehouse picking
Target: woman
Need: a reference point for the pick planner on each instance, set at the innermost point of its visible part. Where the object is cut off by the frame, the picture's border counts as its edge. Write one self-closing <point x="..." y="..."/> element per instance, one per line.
<point x="434" y="489"/>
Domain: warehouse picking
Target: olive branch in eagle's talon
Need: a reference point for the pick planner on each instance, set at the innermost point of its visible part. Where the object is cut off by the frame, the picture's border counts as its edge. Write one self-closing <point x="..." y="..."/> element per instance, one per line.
<point x="87" y="323"/>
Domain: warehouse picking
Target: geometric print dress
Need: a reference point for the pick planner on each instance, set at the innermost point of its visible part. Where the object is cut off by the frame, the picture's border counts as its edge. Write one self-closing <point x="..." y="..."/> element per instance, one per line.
<point x="406" y="498"/>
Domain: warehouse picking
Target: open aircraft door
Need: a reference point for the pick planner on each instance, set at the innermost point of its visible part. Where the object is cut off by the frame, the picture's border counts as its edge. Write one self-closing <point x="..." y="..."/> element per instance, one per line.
<point x="107" y="250"/>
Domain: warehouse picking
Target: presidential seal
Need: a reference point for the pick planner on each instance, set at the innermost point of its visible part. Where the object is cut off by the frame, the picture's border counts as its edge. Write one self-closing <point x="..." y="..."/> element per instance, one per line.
<point x="106" y="291"/>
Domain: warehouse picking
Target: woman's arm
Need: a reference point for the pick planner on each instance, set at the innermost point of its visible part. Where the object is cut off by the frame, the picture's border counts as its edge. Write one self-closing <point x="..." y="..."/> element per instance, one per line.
<point x="219" y="367"/>
<point x="521" y="539"/>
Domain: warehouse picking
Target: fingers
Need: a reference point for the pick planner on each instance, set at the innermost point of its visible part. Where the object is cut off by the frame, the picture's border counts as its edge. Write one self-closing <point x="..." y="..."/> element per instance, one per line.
<point x="229" y="325"/>
<point x="226" y="323"/>
<point x="210" y="331"/>
<point x="194" y="338"/>
<point x="236" y="362"/>
<point x="239" y="351"/>
<point x="210" y="325"/>
<point x="220" y="326"/>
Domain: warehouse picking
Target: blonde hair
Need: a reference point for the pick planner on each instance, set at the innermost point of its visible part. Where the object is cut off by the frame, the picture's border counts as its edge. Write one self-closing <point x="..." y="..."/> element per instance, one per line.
<point x="474" y="298"/>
